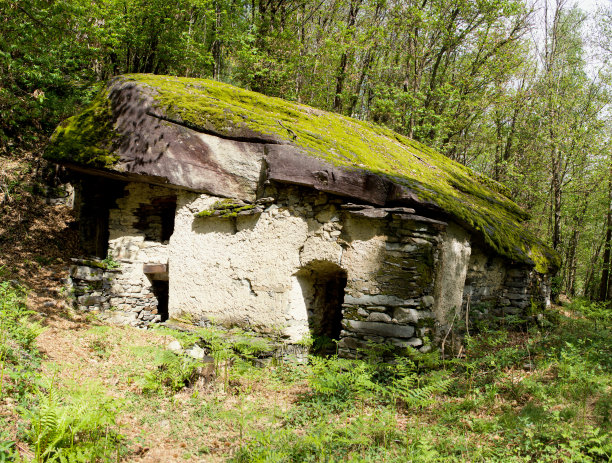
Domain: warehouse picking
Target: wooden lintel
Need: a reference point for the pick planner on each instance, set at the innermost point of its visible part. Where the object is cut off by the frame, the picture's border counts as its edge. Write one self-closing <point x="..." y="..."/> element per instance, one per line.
<point x="155" y="268"/>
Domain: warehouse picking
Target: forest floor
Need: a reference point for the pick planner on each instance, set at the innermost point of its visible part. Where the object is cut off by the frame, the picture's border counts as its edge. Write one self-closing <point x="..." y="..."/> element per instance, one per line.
<point x="73" y="388"/>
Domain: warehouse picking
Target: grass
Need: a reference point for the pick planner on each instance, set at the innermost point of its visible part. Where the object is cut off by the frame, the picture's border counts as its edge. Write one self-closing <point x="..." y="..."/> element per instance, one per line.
<point x="48" y="423"/>
<point x="106" y="393"/>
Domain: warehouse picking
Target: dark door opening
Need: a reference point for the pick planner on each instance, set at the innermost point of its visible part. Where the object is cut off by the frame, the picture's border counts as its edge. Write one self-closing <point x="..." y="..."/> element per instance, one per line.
<point x="323" y="285"/>
<point x="94" y="197"/>
<point x="161" y="292"/>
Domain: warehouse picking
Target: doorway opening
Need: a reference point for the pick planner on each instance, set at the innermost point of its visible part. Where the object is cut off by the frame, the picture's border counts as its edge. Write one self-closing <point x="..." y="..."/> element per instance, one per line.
<point x="161" y="292"/>
<point x="323" y="285"/>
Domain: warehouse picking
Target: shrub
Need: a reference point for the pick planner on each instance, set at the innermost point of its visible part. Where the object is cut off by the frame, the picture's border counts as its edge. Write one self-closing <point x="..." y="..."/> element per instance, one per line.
<point x="173" y="374"/>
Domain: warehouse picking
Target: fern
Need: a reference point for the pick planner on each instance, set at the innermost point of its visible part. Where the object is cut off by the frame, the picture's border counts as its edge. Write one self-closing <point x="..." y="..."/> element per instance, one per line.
<point x="75" y="429"/>
<point x="173" y="374"/>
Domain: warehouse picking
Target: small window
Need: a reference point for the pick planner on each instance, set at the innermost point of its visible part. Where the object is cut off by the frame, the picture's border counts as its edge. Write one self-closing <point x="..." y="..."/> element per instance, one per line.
<point x="156" y="220"/>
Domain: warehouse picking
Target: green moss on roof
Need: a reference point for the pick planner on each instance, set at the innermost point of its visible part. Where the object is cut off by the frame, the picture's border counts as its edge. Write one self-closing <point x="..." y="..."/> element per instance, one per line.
<point x="87" y="138"/>
<point x="474" y="199"/>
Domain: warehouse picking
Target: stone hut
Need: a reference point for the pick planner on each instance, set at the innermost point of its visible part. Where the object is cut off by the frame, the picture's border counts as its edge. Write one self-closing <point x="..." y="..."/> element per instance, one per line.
<point x="226" y="206"/>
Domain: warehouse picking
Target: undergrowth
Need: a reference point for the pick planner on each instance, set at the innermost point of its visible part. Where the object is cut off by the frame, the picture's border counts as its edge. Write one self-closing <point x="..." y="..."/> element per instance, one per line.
<point x="540" y="394"/>
<point x="521" y="393"/>
<point x="76" y="427"/>
<point x="55" y="425"/>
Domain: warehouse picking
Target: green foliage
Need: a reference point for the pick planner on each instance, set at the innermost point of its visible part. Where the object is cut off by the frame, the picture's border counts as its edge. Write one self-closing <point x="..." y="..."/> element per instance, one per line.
<point x="110" y="262"/>
<point x="367" y="439"/>
<point x="80" y="427"/>
<point x="173" y="374"/>
<point x="8" y="452"/>
<point x="87" y="138"/>
<point x="17" y="331"/>
<point x="599" y="312"/>
<point x="44" y="68"/>
<point x="339" y="382"/>
<point x="75" y="427"/>
<point x="19" y="357"/>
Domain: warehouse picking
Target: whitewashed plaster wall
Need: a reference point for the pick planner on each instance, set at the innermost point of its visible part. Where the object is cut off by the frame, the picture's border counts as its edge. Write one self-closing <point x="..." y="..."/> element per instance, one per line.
<point x="243" y="270"/>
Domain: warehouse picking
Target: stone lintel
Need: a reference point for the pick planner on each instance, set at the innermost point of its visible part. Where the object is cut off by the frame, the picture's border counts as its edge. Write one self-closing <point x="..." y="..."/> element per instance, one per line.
<point x="386" y="330"/>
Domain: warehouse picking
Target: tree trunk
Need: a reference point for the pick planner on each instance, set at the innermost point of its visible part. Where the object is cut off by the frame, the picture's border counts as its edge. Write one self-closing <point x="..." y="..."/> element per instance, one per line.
<point x="589" y="289"/>
<point x="341" y="74"/>
<point x="556" y="195"/>
<point x="604" y="285"/>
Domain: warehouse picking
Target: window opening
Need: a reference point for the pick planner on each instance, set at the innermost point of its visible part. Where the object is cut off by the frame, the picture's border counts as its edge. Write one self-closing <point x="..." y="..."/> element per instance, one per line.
<point x="156" y="220"/>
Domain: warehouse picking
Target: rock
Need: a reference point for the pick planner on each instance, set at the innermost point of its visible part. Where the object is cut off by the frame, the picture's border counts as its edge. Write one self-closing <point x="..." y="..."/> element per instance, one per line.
<point x="401" y="247"/>
<point x="120" y="318"/>
<point x="406" y="315"/>
<point x="412" y="342"/>
<point x="370" y="213"/>
<point x="175" y="347"/>
<point x="378" y="300"/>
<point x="265" y="201"/>
<point x="379" y="317"/>
<point x="380" y="329"/>
<point x="427" y="301"/>
<point x="325" y="215"/>
<point x="352" y="343"/>
<point x="362" y="312"/>
<point x="405" y="210"/>
<point x="91" y="300"/>
<point x="377" y="309"/>
<point x="83" y="272"/>
<point x="196" y="352"/>
<point x="353" y="207"/>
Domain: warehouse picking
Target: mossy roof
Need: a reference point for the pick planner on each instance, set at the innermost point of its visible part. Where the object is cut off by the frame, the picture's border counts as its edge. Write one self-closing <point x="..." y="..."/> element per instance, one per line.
<point x="477" y="201"/>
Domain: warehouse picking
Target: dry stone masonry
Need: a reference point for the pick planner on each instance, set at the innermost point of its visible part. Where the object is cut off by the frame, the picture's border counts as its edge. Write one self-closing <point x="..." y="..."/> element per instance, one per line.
<point x="92" y="286"/>
<point x="317" y="226"/>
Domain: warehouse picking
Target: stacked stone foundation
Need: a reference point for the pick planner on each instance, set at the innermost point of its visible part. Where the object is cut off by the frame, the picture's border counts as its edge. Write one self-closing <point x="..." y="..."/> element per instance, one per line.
<point x="94" y="289"/>
<point x="495" y="289"/>
<point x="394" y="309"/>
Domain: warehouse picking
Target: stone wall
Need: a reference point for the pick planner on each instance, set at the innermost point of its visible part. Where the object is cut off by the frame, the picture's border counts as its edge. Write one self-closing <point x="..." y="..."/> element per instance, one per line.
<point x="90" y="284"/>
<point x="496" y="287"/>
<point x="137" y="228"/>
<point x="308" y="262"/>
<point x="297" y="262"/>
<point x="393" y="301"/>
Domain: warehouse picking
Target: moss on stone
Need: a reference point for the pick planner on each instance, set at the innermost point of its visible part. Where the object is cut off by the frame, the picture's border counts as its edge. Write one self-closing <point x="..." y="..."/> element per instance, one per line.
<point x="93" y="263"/>
<point x="225" y="208"/>
<point x="477" y="201"/>
<point x="87" y="138"/>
